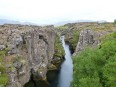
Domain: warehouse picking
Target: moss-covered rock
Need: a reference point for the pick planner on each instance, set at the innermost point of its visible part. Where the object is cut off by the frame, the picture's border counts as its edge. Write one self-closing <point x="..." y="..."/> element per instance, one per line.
<point x="71" y="30"/>
<point x="58" y="53"/>
<point x="71" y="38"/>
<point x="3" y="73"/>
<point x="61" y="29"/>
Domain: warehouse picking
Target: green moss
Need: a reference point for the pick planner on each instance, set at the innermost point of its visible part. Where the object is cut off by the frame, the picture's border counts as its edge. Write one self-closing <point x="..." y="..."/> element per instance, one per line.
<point x="59" y="51"/>
<point x="40" y="69"/>
<point x="16" y="59"/>
<point x="72" y="37"/>
<point x="58" y="54"/>
<point x="74" y="34"/>
<point x="3" y="74"/>
<point x="75" y="39"/>
<point x="52" y="67"/>
<point x="20" y="59"/>
<point x="3" y="79"/>
<point x="62" y="27"/>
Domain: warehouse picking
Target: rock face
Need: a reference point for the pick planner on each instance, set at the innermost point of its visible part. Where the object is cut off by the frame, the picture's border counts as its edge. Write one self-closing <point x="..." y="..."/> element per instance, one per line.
<point x="88" y="30"/>
<point x="87" y="38"/>
<point x="30" y="51"/>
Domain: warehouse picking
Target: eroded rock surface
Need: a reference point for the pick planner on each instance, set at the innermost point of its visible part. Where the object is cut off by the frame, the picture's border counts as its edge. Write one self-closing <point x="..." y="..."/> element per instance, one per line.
<point x="30" y="51"/>
<point x="87" y="38"/>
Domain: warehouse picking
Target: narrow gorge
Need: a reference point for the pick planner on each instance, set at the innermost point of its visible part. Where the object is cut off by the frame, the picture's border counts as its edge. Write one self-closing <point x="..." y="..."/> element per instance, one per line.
<point x="66" y="73"/>
<point x="27" y="54"/>
<point x="48" y="56"/>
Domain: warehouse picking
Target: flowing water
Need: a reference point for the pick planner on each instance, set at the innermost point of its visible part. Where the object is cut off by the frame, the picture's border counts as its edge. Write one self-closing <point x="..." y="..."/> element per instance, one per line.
<point x="64" y="77"/>
<point x="66" y="72"/>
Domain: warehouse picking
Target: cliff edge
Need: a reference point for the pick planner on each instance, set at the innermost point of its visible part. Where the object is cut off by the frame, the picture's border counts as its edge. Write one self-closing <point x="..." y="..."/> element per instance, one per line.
<point x="28" y="50"/>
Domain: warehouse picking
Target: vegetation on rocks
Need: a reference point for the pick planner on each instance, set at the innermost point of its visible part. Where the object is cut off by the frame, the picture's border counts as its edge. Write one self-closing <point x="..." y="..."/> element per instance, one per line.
<point x="3" y="73"/>
<point x="96" y="67"/>
<point x="61" y="29"/>
<point x="75" y="38"/>
<point x="58" y="52"/>
<point x="71" y="38"/>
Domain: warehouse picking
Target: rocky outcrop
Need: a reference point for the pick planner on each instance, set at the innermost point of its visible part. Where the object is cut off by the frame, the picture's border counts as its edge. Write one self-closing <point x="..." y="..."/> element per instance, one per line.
<point x="30" y="51"/>
<point x="71" y="31"/>
<point x="87" y="38"/>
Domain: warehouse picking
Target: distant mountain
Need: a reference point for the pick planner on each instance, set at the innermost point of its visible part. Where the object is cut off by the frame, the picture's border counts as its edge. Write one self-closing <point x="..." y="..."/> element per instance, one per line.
<point x="63" y="22"/>
<point x="6" y="21"/>
<point x="71" y="21"/>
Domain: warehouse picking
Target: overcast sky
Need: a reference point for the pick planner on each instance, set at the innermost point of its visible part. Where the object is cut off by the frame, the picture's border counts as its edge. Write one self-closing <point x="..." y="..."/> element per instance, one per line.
<point x="49" y="11"/>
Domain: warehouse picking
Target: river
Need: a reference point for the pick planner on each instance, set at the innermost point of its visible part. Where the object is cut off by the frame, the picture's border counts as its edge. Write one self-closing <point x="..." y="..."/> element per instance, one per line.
<point x="64" y="77"/>
<point x="66" y="72"/>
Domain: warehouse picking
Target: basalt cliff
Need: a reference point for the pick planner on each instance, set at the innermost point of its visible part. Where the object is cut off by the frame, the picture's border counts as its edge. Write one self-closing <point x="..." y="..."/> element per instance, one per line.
<point x="26" y="52"/>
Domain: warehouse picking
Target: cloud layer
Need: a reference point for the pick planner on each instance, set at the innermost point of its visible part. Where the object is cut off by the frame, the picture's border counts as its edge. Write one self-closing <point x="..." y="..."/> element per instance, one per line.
<point x="46" y="11"/>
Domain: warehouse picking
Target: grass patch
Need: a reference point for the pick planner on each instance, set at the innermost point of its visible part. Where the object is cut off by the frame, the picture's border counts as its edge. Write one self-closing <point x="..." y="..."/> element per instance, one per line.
<point x="96" y="67"/>
<point x="75" y="39"/>
<point x="3" y="74"/>
<point x="72" y="38"/>
<point x="59" y="51"/>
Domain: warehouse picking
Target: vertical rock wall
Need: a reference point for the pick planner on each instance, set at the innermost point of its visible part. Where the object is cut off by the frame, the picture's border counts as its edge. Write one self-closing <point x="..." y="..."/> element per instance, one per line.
<point x="87" y="38"/>
<point x="30" y="50"/>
